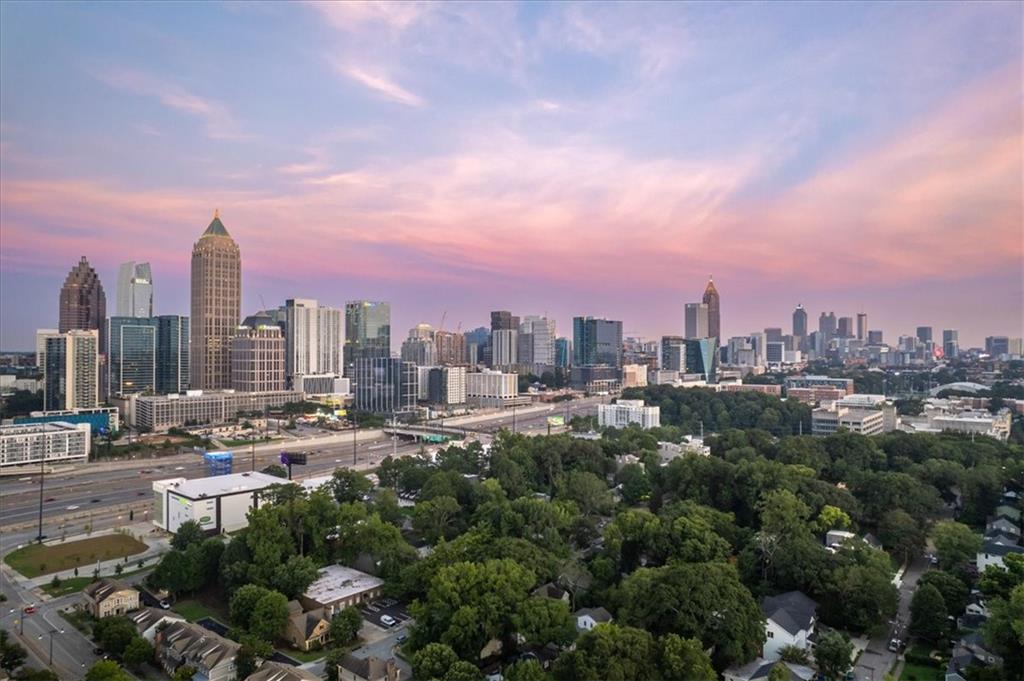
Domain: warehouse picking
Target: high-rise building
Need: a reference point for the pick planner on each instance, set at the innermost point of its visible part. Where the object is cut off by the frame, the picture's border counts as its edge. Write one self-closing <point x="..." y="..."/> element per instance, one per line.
<point x="83" y="305"/>
<point x="862" y="325"/>
<point x="420" y="348"/>
<point x="446" y="385"/>
<point x="950" y="343"/>
<point x="702" y="358"/>
<point x="827" y="327"/>
<point x="367" y="332"/>
<point x="135" y="290"/>
<point x="712" y="300"/>
<point x="696" y="323"/>
<point x="845" y="329"/>
<point x="385" y="385"/>
<point x="924" y="334"/>
<point x="451" y="348"/>
<point x="504" y="341"/>
<point x="257" y="358"/>
<point x="539" y="345"/>
<point x="875" y="337"/>
<point x="312" y="335"/>
<point x="71" y="377"/>
<point x="563" y="352"/>
<point x="172" y="354"/>
<point x="216" y="306"/>
<point x="997" y="345"/>
<point x="799" y="322"/>
<point x="673" y="353"/>
<point x="773" y="334"/>
<point x="132" y="355"/>
<point x="596" y="341"/>
<point x="41" y="336"/>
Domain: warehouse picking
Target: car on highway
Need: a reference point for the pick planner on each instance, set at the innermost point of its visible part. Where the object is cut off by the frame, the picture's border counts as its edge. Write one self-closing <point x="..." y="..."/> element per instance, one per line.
<point x="141" y="494"/>
<point x="49" y="499"/>
<point x="72" y="508"/>
<point x="388" y="620"/>
<point x="94" y="501"/>
<point x="179" y="468"/>
<point x="29" y="609"/>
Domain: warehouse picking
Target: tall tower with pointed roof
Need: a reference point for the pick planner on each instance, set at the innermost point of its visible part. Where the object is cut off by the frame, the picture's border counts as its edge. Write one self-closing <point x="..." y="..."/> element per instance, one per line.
<point x="83" y="305"/>
<point x="711" y="299"/>
<point x="216" y="306"/>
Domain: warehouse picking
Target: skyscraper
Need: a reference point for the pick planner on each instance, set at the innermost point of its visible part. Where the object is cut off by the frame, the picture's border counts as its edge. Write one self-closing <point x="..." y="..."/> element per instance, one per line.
<point x="216" y="306"/>
<point x="563" y="352"/>
<point x="131" y="357"/>
<point x="540" y="333"/>
<point x="712" y="300"/>
<point x="799" y="321"/>
<point x="773" y="334"/>
<point x="827" y="327"/>
<point x="420" y="348"/>
<point x="367" y="332"/>
<point x="845" y="329"/>
<point x="924" y="333"/>
<point x="504" y="341"/>
<point x="673" y="354"/>
<point x="83" y="304"/>
<point x="697" y="320"/>
<point x="135" y="290"/>
<point x="950" y="343"/>
<point x="451" y="348"/>
<point x="257" y="357"/>
<point x="862" y="325"/>
<point x="385" y="385"/>
<point x="596" y="341"/>
<point x="172" y="354"/>
<point x="71" y="375"/>
<point x="312" y="339"/>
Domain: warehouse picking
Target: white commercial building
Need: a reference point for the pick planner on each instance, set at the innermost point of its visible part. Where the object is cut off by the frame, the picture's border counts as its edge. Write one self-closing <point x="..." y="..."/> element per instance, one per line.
<point x="218" y="504"/>
<point x="33" y="443"/>
<point x="322" y="384"/>
<point x="625" y="412"/>
<point x="312" y="339"/>
<point x="492" y="388"/>
<point x="829" y="420"/>
<point x="952" y="415"/>
<point x="198" y="407"/>
<point x="541" y="333"/>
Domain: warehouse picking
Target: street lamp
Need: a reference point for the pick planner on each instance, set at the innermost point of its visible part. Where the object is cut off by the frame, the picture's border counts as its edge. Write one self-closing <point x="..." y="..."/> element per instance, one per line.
<point x="51" y="632"/>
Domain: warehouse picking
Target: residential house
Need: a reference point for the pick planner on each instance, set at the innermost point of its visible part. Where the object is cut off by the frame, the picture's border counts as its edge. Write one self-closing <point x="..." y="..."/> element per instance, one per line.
<point x="588" y="618"/>
<point x="552" y="591"/>
<point x="338" y="587"/>
<point x="1003" y="524"/>
<point x="306" y="630"/>
<point x="970" y="651"/>
<point x="1008" y="511"/>
<point x="275" y="671"/>
<point x="992" y="553"/>
<point x="182" y="644"/>
<point x="353" y="668"/>
<point x="110" y="597"/>
<point x="148" y="620"/>
<point x="790" y="620"/>
<point x="759" y="669"/>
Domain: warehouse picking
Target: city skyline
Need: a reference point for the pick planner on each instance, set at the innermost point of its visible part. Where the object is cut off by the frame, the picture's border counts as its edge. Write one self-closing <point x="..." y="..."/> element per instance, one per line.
<point x="569" y="196"/>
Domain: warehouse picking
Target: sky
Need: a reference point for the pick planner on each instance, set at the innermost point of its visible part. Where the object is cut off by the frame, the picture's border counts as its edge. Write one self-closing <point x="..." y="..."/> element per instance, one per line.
<point x="561" y="159"/>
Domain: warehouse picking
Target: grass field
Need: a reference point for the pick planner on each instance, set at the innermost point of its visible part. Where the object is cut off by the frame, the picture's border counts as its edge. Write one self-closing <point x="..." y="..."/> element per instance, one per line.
<point x="39" y="559"/>
<point x="67" y="586"/>
<point x="243" y="443"/>
<point x="193" y="610"/>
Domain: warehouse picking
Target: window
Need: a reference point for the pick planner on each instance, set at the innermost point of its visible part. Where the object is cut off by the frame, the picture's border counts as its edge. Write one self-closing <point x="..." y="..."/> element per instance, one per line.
<point x="771" y="634"/>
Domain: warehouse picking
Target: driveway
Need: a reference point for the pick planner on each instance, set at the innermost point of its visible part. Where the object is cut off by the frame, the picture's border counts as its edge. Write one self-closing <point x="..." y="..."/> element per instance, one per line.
<point x="877" y="659"/>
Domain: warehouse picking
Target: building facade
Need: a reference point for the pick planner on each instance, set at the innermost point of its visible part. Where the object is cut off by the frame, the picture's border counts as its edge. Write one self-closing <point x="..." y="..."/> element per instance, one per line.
<point x="71" y="377"/>
<point x="385" y="385"/>
<point x="312" y="339"/>
<point x="626" y="412"/>
<point x="196" y="407"/>
<point x="216" y="306"/>
<point x="83" y="305"/>
<point x="491" y="388"/>
<point x="597" y="341"/>
<point x="563" y="352"/>
<point x="135" y="290"/>
<point x="714" y="303"/>
<point x="451" y="348"/>
<point x="131" y="355"/>
<point x="172" y="354"/>
<point x="447" y="385"/>
<point x="950" y="343"/>
<point x="34" y="443"/>
<point x="367" y="332"/>
<point x="258" y="359"/>
<point x="696" y="320"/>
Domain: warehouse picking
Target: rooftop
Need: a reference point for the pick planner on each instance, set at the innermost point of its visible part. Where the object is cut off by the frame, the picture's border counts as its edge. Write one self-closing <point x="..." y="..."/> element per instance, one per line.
<point x="220" y="485"/>
<point x="337" y="582"/>
<point x="793" y="611"/>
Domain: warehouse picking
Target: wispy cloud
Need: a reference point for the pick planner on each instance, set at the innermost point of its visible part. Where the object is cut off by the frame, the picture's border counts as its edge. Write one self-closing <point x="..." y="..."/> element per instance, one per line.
<point x="382" y="85"/>
<point x="217" y="120"/>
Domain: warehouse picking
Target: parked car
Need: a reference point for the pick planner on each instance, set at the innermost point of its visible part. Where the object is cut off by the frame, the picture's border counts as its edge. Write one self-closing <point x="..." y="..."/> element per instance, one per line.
<point x="388" y="620"/>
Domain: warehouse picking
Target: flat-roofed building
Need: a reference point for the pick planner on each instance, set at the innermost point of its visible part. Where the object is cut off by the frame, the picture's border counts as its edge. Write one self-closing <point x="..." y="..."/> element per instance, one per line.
<point x="626" y="412"/>
<point x="763" y="388"/>
<point x="814" y="381"/>
<point x="829" y="420"/>
<point x="816" y="394"/>
<point x="493" y="389"/>
<point x="634" y="376"/>
<point x="199" y="407"/>
<point x="217" y="504"/>
<point x="337" y="587"/>
<point x="33" y="443"/>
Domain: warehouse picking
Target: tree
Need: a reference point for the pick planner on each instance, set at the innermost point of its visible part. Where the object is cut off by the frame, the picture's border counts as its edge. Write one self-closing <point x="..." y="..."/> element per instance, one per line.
<point x="30" y="674"/>
<point x="349" y="485"/>
<point x="435" y="518"/>
<point x="928" y="613"/>
<point x="106" y="670"/>
<point x="635" y="483"/>
<point x="184" y="673"/>
<point x="525" y="670"/>
<point x="901" y="534"/>
<point x="138" y="653"/>
<point x="277" y="470"/>
<point x="295" y="576"/>
<point x="779" y="672"/>
<point x="1004" y="630"/>
<point x="387" y="507"/>
<point x="795" y="654"/>
<point x="833" y="654"/>
<point x="955" y="542"/>
<point x="245" y="662"/>
<point x="999" y="582"/>
<point x="589" y="492"/>
<point x="243" y="604"/>
<point x="433" y="661"/>
<point x="270" y="616"/>
<point x="12" y="655"/>
<point x="462" y="671"/>
<point x="954" y="592"/>
<point x="114" y="634"/>
<point x="345" y="625"/>
<point x="610" y="652"/>
<point x="190" y="532"/>
<point x="684" y="659"/>
<point x="832" y="518"/>
<point x="543" y="620"/>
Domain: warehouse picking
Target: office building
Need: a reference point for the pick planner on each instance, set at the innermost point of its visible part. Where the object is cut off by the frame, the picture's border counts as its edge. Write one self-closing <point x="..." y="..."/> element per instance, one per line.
<point x="563" y="352"/>
<point x="385" y="385"/>
<point x="504" y="341"/>
<point x="99" y="419"/>
<point x="845" y="327"/>
<point x="673" y="353"/>
<point x="135" y="290"/>
<point x="312" y="339"/>
<point x="172" y="354"/>
<point x="626" y="412"/>
<point x="451" y="348"/>
<point x="367" y="332"/>
<point x="34" y="443"/>
<point x="158" y="413"/>
<point x="996" y="346"/>
<point x="773" y="334"/>
<point x="816" y="381"/>
<point x="702" y="358"/>
<point x="634" y="376"/>
<point x="696" y="320"/>
<point x="420" y="348"/>
<point x="924" y="334"/>
<point x="491" y="388"/>
<point x="875" y="337"/>
<point x="829" y="420"/>
<point x="774" y="352"/>
<point x="862" y="326"/>
<point x="950" y="343"/>
<point x="218" y="504"/>
<point x="799" y="322"/>
<point x="41" y="336"/>
<point x="216" y="306"/>
<point x="322" y="384"/>
<point x="713" y="302"/>
<point x="597" y="341"/>
<point x="827" y="327"/>
<point x="759" y="342"/>
<point x="257" y="358"/>
<point x="131" y="355"/>
<point x="447" y="385"/>
<point x="537" y="341"/>
<point x="83" y="305"/>
<point x="71" y="377"/>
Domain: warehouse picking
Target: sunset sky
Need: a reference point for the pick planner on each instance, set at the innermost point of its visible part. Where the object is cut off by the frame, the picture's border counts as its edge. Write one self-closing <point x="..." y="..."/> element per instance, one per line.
<point x="565" y="159"/>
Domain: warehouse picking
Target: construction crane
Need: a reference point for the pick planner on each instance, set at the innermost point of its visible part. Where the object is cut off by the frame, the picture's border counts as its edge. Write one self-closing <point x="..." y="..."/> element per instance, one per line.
<point x="443" y="317"/>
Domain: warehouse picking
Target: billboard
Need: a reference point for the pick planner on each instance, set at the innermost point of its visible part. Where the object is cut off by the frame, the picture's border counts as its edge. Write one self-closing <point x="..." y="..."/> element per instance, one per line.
<point x="556" y="420"/>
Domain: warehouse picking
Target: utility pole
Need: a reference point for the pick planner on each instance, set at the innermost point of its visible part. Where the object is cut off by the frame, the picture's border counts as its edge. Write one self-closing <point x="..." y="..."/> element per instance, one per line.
<point x="42" y="475"/>
<point x="394" y="436"/>
<point x="51" y="633"/>
<point x="354" y="431"/>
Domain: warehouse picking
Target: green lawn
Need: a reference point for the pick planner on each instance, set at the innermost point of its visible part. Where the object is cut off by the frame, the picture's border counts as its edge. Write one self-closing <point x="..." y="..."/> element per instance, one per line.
<point x="192" y="610"/>
<point x="67" y="586"/>
<point x="244" y="443"/>
<point x="916" y="672"/>
<point x="302" y="656"/>
<point x="39" y="559"/>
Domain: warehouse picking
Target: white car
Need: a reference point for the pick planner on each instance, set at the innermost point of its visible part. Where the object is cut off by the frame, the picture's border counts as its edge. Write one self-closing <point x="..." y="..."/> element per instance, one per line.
<point x="388" y="620"/>
<point x="72" y="508"/>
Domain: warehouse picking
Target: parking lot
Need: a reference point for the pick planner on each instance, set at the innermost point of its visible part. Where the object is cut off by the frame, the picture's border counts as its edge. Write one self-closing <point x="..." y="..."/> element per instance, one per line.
<point x="373" y="612"/>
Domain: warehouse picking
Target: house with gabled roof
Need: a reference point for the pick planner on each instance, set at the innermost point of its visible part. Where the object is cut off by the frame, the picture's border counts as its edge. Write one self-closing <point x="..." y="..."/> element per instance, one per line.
<point x="790" y="619"/>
